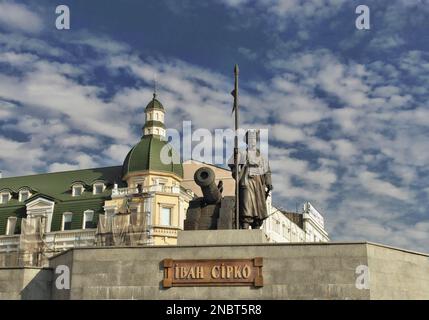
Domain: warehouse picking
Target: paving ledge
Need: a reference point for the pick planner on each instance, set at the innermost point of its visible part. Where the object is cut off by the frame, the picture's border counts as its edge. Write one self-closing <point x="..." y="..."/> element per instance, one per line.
<point x="220" y="237"/>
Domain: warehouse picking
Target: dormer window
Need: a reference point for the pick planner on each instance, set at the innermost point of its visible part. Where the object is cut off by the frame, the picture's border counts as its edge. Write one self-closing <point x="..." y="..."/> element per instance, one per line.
<point x="98" y="188"/>
<point x="4" y="197"/>
<point x="77" y="190"/>
<point x="24" y="194"/>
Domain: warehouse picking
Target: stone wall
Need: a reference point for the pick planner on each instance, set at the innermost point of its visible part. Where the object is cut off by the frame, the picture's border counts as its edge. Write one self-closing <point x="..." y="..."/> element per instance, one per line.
<point x="25" y="283"/>
<point x="290" y="271"/>
<point x="397" y="274"/>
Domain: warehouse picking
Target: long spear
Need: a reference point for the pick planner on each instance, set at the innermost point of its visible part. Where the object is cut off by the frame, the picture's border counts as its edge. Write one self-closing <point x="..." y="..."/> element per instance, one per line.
<point x="235" y="109"/>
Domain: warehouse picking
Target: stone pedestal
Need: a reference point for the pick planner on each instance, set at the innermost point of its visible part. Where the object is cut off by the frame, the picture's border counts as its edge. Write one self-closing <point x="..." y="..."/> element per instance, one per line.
<point x="220" y="237"/>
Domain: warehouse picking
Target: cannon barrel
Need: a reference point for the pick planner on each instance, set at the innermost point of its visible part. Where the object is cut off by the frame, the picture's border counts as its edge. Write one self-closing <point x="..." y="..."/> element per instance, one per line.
<point x="205" y="178"/>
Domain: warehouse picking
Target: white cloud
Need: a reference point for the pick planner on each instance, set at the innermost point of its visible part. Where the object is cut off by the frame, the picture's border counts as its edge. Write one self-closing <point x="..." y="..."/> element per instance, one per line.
<point x="286" y="133"/>
<point x="355" y="151"/>
<point x="58" y="167"/>
<point x="373" y="184"/>
<point x="17" y="158"/>
<point x="78" y="141"/>
<point x="117" y="152"/>
<point x="23" y="43"/>
<point x="16" y="16"/>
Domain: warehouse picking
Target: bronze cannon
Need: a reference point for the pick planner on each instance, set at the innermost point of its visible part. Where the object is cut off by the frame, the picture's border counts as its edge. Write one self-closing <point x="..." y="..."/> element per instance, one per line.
<point x="212" y="210"/>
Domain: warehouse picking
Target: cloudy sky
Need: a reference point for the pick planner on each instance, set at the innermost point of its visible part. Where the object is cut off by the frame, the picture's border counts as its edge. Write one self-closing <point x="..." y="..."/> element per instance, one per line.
<point x="346" y="109"/>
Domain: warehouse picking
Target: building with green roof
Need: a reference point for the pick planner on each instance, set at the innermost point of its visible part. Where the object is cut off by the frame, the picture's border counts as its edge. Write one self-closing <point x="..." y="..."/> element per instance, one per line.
<point x="70" y="204"/>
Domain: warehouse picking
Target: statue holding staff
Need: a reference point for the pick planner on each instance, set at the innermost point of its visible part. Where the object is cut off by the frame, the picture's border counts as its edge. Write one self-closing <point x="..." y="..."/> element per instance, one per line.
<point x="254" y="182"/>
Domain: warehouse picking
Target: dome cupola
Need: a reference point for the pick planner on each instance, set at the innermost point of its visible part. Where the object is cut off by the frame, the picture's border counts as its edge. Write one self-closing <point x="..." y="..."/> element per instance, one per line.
<point x="154" y="124"/>
<point x="153" y="152"/>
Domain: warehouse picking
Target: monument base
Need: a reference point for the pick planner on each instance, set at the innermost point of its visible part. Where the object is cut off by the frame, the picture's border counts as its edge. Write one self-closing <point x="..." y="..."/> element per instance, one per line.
<point x="329" y="270"/>
<point x="220" y="237"/>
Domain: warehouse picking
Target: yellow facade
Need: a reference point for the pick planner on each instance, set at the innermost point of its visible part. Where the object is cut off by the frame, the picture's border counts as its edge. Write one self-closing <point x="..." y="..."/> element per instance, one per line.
<point x="163" y="197"/>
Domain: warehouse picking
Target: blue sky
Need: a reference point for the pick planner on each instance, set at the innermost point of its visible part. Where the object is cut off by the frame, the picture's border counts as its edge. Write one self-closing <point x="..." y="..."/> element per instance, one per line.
<point x="346" y="109"/>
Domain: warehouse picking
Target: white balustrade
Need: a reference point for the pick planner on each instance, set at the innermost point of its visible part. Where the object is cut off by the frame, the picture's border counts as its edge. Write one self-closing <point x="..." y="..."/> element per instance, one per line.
<point x="123" y="192"/>
<point x="9" y="243"/>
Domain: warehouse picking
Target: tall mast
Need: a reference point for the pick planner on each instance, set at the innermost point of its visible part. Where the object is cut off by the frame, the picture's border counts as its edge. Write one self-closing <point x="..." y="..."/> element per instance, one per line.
<point x="237" y="190"/>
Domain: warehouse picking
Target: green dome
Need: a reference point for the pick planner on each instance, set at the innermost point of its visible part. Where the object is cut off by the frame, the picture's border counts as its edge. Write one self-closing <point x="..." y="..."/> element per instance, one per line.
<point x="154" y="104"/>
<point x="146" y="155"/>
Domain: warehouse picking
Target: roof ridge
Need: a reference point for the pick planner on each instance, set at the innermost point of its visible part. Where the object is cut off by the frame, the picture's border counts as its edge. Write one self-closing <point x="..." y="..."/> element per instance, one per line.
<point x="149" y="154"/>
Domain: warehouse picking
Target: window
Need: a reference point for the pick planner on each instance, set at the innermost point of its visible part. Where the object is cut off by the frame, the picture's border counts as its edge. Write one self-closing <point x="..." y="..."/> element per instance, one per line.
<point x="276" y="226"/>
<point x="77" y="190"/>
<point x="24" y="195"/>
<point x="88" y="215"/>
<point x="67" y="221"/>
<point x="10" y="227"/>
<point x="165" y="216"/>
<point x="5" y="198"/>
<point x="98" y="188"/>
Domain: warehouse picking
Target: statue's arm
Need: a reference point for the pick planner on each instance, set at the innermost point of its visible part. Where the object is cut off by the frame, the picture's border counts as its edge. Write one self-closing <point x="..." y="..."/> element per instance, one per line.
<point x="268" y="181"/>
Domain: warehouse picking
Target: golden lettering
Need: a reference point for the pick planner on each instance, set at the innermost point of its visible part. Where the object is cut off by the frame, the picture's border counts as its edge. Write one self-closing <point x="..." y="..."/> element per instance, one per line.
<point x="215" y="272"/>
<point x="229" y="270"/>
<point x="191" y="273"/>
<point x="176" y="271"/>
<point x="200" y="272"/>
<point x="182" y="272"/>
<point x="237" y="272"/>
<point x="222" y="270"/>
<point x="246" y="272"/>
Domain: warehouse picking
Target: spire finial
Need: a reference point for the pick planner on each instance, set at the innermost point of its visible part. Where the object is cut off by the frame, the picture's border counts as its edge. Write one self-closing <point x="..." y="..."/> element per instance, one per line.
<point x="154" y="86"/>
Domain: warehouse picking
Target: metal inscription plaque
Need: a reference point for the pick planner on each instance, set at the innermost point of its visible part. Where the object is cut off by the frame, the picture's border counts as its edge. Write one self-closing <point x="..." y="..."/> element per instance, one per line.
<point x="213" y="272"/>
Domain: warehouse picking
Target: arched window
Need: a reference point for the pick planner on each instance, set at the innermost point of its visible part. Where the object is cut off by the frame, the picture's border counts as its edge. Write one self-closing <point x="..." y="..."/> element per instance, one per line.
<point x="4" y="197"/>
<point x="77" y="189"/>
<point x="98" y="188"/>
<point x="24" y="194"/>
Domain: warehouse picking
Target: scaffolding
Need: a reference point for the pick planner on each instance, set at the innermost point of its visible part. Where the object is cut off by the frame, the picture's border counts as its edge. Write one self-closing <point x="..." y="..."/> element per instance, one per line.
<point x="130" y="227"/>
<point x="126" y="228"/>
<point x="31" y="245"/>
